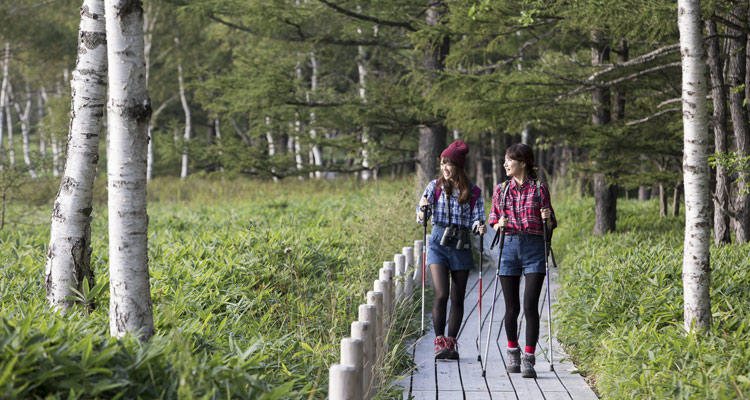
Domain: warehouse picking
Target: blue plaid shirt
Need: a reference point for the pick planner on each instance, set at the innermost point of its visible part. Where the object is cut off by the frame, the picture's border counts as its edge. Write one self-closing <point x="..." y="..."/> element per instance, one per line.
<point x="460" y="213"/>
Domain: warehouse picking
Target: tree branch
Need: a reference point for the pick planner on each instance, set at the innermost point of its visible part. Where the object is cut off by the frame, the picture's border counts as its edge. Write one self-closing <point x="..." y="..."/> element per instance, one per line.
<point x="405" y="25"/>
<point x="662" y="51"/>
<point x="302" y="37"/>
<point x="657" y="115"/>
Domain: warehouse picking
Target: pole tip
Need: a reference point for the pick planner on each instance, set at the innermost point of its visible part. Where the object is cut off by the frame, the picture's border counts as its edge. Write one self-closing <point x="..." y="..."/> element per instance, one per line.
<point x="479" y="358"/>
<point x="551" y="367"/>
<point x="484" y="374"/>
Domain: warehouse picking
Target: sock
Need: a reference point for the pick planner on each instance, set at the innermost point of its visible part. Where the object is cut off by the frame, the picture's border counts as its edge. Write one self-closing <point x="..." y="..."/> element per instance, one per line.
<point x="529" y="349"/>
<point x="512" y="344"/>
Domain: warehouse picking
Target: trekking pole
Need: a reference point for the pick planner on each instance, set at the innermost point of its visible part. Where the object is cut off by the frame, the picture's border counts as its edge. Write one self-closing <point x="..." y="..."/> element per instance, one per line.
<point x="492" y="312"/>
<point x="549" y="297"/>
<point x="479" y="316"/>
<point x="424" y="260"/>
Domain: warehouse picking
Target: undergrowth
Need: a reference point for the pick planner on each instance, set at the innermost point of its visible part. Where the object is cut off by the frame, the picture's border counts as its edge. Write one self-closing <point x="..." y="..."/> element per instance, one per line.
<point x="253" y="285"/>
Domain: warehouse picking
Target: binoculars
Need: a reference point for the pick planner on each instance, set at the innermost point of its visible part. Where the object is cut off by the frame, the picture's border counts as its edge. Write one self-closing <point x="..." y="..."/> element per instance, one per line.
<point x="461" y="235"/>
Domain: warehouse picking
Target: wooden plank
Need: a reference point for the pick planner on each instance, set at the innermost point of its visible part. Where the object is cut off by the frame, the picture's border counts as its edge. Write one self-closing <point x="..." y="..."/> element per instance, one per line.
<point x="448" y="379"/>
<point x="424" y="358"/>
<point x="431" y="395"/>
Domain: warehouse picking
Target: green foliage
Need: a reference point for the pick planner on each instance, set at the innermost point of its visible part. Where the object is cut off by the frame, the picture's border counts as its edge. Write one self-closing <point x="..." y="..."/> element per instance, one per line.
<point x="620" y="310"/>
<point x="735" y="165"/>
<point x="253" y="285"/>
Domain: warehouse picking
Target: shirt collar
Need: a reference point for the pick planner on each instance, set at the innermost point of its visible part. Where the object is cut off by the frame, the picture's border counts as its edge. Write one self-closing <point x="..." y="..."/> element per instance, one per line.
<point x="526" y="183"/>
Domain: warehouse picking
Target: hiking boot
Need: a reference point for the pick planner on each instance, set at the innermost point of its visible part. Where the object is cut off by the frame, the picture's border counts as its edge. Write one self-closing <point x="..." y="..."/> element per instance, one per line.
<point x="527" y="365"/>
<point x="441" y="348"/>
<point x="514" y="360"/>
<point x="452" y="347"/>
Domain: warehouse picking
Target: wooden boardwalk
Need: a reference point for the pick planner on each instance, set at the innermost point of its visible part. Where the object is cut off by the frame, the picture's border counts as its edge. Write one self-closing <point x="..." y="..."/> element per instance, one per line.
<point x="462" y="379"/>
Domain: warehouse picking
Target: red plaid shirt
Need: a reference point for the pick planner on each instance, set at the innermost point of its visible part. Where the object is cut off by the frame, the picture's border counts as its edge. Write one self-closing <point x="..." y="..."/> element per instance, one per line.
<point x="521" y="207"/>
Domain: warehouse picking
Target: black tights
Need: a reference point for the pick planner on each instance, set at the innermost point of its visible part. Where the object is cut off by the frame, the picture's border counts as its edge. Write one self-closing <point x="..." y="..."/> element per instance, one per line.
<point x="533" y="289"/>
<point x="441" y="281"/>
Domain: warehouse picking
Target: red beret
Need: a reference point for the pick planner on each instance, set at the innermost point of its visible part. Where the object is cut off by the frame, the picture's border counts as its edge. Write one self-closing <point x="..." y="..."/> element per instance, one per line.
<point x="456" y="152"/>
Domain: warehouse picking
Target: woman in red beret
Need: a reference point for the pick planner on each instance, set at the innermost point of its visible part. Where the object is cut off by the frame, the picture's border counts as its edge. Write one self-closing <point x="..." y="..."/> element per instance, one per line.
<point x="458" y="209"/>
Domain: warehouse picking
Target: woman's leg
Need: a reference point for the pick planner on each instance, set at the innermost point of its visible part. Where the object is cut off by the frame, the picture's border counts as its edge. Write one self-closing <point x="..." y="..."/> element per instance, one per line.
<point x="510" y="285"/>
<point x="534" y="284"/>
<point x="458" y="290"/>
<point x="441" y="284"/>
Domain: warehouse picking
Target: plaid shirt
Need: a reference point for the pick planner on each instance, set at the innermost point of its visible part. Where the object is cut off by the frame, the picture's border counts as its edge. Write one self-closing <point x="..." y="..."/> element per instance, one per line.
<point x="460" y="213"/>
<point x="521" y="207"/>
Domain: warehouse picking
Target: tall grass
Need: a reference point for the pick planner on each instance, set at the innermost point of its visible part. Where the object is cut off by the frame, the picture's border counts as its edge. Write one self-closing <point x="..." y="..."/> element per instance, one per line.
<point x="620" y="308"/>
<point x="253" y="285"/>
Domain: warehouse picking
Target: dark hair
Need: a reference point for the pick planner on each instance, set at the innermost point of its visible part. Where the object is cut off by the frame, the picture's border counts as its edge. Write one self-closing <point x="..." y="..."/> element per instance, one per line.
<point x="462" y="181"/>
<point x="523" y="153"/>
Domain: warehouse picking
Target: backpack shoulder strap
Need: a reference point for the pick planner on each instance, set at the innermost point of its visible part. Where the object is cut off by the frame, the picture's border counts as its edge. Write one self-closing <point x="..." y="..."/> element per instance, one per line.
<point x="438" y="191"/>
<point x="475" y="193"/>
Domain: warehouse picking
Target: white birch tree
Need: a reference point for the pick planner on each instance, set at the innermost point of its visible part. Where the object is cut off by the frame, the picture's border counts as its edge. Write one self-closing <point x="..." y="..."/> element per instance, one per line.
<point x="69" y="252"/>
<point x="696" y="266"/>
<point x="3" y="94"/>
<point x="188" y="121"/>
<point x="9" y="120"/>
<point x="24" y="115"/>
<point x="128" y="113"/>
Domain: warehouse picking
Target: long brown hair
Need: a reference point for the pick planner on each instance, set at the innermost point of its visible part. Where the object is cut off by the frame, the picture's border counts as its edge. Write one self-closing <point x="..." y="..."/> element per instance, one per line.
<point x="462" y="181"/>
<point x="523" y="153"/>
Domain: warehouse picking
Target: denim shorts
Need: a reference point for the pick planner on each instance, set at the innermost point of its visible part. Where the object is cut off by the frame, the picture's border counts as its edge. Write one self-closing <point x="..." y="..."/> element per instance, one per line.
<point x="522" y="254"/>
<point x="456" y="260"/>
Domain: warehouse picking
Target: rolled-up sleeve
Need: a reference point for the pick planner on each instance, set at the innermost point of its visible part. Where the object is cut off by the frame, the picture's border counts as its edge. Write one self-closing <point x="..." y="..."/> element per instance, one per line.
<point x="429" y="193"/>
<point x="477" y="217"/>
<point x="495" y="211"/>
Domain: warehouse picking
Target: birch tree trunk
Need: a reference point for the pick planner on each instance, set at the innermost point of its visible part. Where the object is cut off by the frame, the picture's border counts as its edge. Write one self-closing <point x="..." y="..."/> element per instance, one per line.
<point x="151" y="121"/>
<point x="366" y="173"/>
<point x="317" y="156"/>
<point x="25" y="117"/>
<point x="188" y="122"/>
<point x="271" y="145"/>
<point x="9" y="123"/>
<point x="40" y="129"/>
<point x="719" y="96"/>
<point x="696" y="266"/>
<point x="69" y="253"/>
<point x="4" y="95"/>
<point x="128" y="113"/>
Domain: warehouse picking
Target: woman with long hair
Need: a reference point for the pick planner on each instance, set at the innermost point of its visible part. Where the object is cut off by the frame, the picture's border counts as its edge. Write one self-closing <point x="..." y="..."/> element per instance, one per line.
<point x="518" y="207"/>
<point x="458" y="211"/>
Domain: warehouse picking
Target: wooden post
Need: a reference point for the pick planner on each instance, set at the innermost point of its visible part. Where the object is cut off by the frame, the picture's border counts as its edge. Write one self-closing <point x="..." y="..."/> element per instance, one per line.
<point x="387" y="273"/>
<point x="418" y="253"/>
<point x="364" y="330"/>
<point x="408" y="253"/>
<point x="375" y="298"/>
<point x="342" y="382"/>
<point x="352" y="352"/>
<point x="384" y="287"/>
<point x="400" y="261"/>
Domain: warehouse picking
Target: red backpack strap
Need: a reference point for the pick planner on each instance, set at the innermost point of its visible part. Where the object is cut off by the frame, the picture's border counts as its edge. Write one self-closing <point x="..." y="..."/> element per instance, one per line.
<point x="438" y="191"/>
<point x="475" y="193"/>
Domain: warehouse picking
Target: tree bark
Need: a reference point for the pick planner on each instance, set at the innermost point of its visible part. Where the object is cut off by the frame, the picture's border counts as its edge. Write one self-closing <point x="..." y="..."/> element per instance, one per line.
<point x="605" y="194"/>
<point x="9" y="123"/>
<point x="317" y="156"/>
<point x="619" y="97"/>
<point x="736" y="77"/>
<point x="69" y="253"/>
<point x="362" y="56"/>
<point x="644" y="193"/>
<point x="696" y="266"/>
<point x="4" y="95"/>
<point x="24" y="115"/>
<point x="719" y="96"/>
<point x="128" y="113"/>
<point x="676" y="194"/>
<point x="188" y="122"/>
<point x="40" y="127"/>
<point x="432" y="134"/>
<point x="663" y="208"/>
